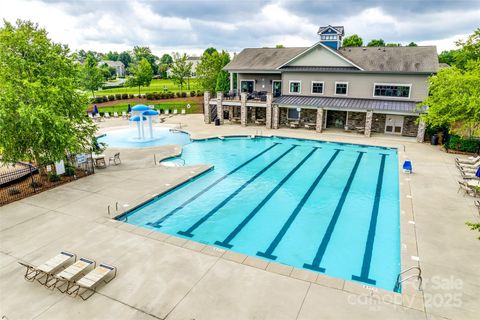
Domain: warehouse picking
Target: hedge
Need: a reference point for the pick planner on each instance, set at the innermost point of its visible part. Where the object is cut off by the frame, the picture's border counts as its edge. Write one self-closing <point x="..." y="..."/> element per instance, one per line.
<point x="463" y="144"/>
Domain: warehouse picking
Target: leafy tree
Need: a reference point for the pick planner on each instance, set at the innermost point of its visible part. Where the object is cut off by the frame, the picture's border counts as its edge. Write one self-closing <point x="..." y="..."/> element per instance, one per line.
<point x="376" y="43"/>
<point x="108" y="72"/>
<point x="412" y="44"/>
<point x="447" y="57"/>
<point x="181" y="69"/>
<point x="223" y="78"/>
<point x="142" y="74"/>
<point x="209" y="68"/>
<point x="145" y="53"/>
<point x="166" y="59"/>
<point x="165" y="63"/>
<point x="126" y="58"/>
<point x="279" y="46"/>
<point x="210" y="50"/>
<point x="42" y="114"/>
<point x="454" y="99"/>
<point x="393" y="45"/>
<point x="113" y="56"/>
<point x="352" y="41"/>
<point x="470" y="50"/>
<point x="91" y="77"/>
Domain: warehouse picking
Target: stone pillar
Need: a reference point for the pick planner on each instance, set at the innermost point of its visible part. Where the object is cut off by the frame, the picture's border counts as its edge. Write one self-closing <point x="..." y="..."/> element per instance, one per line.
<point x="220" y="106"/>
<point x="421" y="131"/>
<point x="268" y="113"/>
<point x="206" y="107"/>
<point x="275" y="117"/>
<point x="230" y="113"/>
<point x="319" y="123"/>
<point x="243" y="109"/>
<point x="254" y="114"/>
<point x="368" y="123"/>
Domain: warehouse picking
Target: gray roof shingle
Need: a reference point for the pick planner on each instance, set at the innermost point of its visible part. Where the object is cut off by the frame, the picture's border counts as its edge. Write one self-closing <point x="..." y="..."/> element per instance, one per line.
<point x="349" y="103"/>
<point x="262" y="58"/>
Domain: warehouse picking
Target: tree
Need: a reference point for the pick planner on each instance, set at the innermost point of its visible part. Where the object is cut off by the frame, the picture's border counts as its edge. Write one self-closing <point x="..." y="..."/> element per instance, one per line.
<point x="279" y="46"/>
<point x="181" y="69"/>
<point x="376" y="43"/>
<point x="447" y="56"/>
<point x="210" y="50"/>
<point x="91" y="77"/>
<point x="108" y="72"/>
<point x="126" y="58"/>
<point x="165" y="63"/>
<point x="412" y="44"/>
<point x="352" y="41"/>
<point x="166" y="59"/>
<point x="113" y="56"/>
<point x="454" y="98"/>
<point x="209" y="68"/>
<point x="145" y="53"/>
<point x="469" y="50"/>
<point x="142" y="74"/>
<point x="223" y="78"/>
<point x="42" y="114"/>
<point x="393" y="45"/>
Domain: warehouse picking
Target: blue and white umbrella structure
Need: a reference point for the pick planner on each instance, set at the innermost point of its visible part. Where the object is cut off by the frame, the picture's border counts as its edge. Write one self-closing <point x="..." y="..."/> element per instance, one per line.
<point x="142" y="113"/>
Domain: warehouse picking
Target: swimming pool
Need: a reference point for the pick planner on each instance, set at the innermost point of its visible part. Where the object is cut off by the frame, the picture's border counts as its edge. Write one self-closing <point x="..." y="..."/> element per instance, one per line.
<point x="327" y="207"/>
<point x="128" y="138"/>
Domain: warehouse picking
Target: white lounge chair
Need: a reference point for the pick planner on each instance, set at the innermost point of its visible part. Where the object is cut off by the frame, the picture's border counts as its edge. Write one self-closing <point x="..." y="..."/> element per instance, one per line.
<point x="124" y="114"/>
<point x="49" y="268"/>
<point x="85" y="287"/>
<point x="184" y="111"/>
<point x="106" y="115"/>
<point x="70" y="274"/>
<point x="90" y="115"/>
<point x="469" y="160"/>
<point x="115" y="114"/>
<point x="167" y="111"/>
<point x="175" y="111"/>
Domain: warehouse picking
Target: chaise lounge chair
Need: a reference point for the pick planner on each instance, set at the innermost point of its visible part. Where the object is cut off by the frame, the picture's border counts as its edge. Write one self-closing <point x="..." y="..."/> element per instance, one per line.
<point x="466" y="189"/>
<point x="469" y="160"/>
<point x="477" y="204"/>
<point x="87" y="286"/>
<point x="70" y="274"/>
<point x="49" y="268"/>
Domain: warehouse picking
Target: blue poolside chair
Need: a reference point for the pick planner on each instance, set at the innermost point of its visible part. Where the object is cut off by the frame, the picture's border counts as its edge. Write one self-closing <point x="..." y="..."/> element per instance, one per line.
<point x="407" y="166"/>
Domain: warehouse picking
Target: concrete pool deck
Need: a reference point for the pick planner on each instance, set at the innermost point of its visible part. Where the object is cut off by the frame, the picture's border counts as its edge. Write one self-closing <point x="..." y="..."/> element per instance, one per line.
<point x="163" y="277"/>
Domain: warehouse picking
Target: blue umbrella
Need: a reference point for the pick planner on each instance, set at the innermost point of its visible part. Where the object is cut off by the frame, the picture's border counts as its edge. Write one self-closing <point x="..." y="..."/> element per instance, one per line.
<point x="129" y="108"/>
<point x="95" y="109"/>
<point x="478" y="172"/>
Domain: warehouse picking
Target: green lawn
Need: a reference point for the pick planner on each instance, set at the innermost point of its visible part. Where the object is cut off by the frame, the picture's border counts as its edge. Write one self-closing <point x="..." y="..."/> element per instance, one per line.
<point x="179" y="105"/>
<point x="157" y="85"/>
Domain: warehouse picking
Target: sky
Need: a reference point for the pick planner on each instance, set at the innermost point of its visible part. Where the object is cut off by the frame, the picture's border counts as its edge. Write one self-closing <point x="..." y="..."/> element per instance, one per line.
<point x="192" y="25"/>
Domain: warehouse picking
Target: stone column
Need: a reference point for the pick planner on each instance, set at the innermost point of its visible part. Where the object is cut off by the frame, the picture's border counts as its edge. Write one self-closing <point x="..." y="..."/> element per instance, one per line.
<point x="268" y="111"/>
<point x="243" y="109"/>
<point x="254" y="114"/>
<point x="368" y="123"/>
<point x="220" y="106"/>
<point x="230" y="113"/>
<point x="206" y="107"/>
<point x="421" y="131"/>
<point x="319" y="123"/>
<point x="275" y="117"/>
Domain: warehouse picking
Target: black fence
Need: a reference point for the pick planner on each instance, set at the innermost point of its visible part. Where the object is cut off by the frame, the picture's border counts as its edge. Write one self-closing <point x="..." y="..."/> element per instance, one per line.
<point x="21" y="180"/>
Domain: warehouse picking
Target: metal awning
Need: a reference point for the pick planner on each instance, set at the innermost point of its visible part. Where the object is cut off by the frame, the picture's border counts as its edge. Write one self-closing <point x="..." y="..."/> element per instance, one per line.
<point x="409" y="107"/>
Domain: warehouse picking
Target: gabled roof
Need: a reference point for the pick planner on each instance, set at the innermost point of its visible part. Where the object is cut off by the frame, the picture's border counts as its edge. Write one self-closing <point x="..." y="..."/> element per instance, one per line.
<point x="262" y="58"/>
<point x="339" y="29"/>
<point x="393" y="59"/>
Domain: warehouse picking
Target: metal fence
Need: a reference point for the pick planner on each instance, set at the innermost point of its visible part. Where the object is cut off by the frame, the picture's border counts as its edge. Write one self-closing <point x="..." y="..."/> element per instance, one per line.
<point x="21" y="180"/>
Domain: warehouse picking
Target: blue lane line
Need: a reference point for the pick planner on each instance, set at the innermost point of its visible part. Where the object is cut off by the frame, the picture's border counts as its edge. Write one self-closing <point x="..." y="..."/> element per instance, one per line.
<point x="157" y="224"/>
<point x="331" y="226"/>
<point x="226" y="243"/>
<point x="367" y="256"/>
<point x="268" y="253"/>
<point x="188" y="232"/>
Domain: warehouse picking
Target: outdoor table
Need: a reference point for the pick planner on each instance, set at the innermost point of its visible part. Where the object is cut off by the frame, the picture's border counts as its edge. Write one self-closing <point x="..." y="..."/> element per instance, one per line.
<point x="294" y="124"/>
<point x="99" y="160"/>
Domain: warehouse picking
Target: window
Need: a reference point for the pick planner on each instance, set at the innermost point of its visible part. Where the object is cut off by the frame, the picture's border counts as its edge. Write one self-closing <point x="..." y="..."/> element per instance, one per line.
<point x="328" y="37"/>
<point x="392" y="90"/>
<point x="294" y="86"/>
<point x="293" y="114"/>
<point x="341" y="88"/>
<point x="317" y="87"/>
<point x="247" y="86"/>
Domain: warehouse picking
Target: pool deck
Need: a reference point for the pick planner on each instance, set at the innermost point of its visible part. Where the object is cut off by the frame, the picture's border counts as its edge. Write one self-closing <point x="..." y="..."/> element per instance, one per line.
<point x="165" y="277"/>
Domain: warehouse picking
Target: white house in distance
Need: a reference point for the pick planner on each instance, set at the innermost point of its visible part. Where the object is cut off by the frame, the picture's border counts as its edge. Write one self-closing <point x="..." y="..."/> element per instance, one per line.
<point x="118" y="65"/>
<point x="194" y="61"/>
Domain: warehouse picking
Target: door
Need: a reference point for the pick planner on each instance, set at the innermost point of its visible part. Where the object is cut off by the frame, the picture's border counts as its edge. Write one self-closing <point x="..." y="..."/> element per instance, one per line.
<point x="394" y="124"/>
<point x="277" y="88"/>
<point x="247" y="86"/>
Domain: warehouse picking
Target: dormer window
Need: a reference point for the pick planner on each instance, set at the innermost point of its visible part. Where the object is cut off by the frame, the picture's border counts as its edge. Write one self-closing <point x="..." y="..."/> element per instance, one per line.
<point x="328" y="37"/>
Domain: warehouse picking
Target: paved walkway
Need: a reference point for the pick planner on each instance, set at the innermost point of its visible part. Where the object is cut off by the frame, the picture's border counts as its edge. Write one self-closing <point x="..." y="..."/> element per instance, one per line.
<point x="161" y="277"/>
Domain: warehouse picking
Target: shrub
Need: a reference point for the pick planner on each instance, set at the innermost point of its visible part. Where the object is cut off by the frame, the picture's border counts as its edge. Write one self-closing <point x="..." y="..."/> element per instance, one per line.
<point x="192" y="94"/>
<point x="184" y="94"/>
<point x="465" y="145"/>
<point x="149" y="96"/>
<point x="163" y="95"/>
<point x="199" y="93"/>
<point x="156" y="95"/>
<point x="53" y="177"/>
<point x="69" y="170"/>
<point x="124" y="96"/>
<point x="131" y="96"/>
<point x="178" y="94"/>
<point x="100" y="99"/>
<point x="118" y="96"/>
<point x="171" y="95"/>
<point x="111" y="97"/>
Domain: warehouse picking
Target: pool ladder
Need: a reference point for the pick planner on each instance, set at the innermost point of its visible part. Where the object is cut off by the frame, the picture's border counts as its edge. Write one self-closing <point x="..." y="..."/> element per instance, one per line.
<point x="417" y="276"/>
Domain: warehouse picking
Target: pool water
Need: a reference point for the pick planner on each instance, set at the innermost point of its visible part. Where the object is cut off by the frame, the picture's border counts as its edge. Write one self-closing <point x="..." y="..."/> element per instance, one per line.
<point x="128" y="138"/>
<point x="328" y="207"/>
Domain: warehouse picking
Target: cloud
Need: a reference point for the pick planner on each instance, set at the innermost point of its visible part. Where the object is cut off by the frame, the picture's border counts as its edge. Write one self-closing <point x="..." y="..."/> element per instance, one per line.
<point x="193" y="25"/>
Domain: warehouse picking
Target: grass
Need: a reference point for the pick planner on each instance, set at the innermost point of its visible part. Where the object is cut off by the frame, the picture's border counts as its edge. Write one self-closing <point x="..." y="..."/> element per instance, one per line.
<point x="157" y="85"/>
<point x="179" y="105"/>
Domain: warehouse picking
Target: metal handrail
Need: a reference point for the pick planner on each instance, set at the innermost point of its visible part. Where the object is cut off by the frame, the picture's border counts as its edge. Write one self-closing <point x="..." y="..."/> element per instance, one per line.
<point x="418" y="276"/>
<point x="116" y="206"/>
<point x="108" y="209"/>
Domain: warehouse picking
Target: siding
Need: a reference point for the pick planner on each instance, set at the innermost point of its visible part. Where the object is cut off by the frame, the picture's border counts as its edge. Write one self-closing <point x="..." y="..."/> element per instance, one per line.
<point x="359" y="85"/>
<point x="263" y="80"/>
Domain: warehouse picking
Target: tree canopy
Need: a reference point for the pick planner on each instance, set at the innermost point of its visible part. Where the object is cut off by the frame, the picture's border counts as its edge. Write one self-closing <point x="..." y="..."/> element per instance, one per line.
<point x="42" y="114"/>
<point x="376" y="43"/>
<point x="352" y="41"/>
<point x="126" y="58"/>
<point x="223" y="78"/>
<point x="142" y="74"/>
<point x="468" y="50"/>
<point x="209" y="69"/>
<point x="210" y="50"/>
<point x="91" y="77"/>
<point x="181" y="70"/>
<point x="412" y="44"/>
<point x="145" y="53"/>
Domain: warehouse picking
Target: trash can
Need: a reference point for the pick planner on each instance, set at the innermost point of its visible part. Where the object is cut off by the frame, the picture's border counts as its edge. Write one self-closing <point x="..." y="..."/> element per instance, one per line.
<point x="434" y="140"/>
<point x="217" y="122"/>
